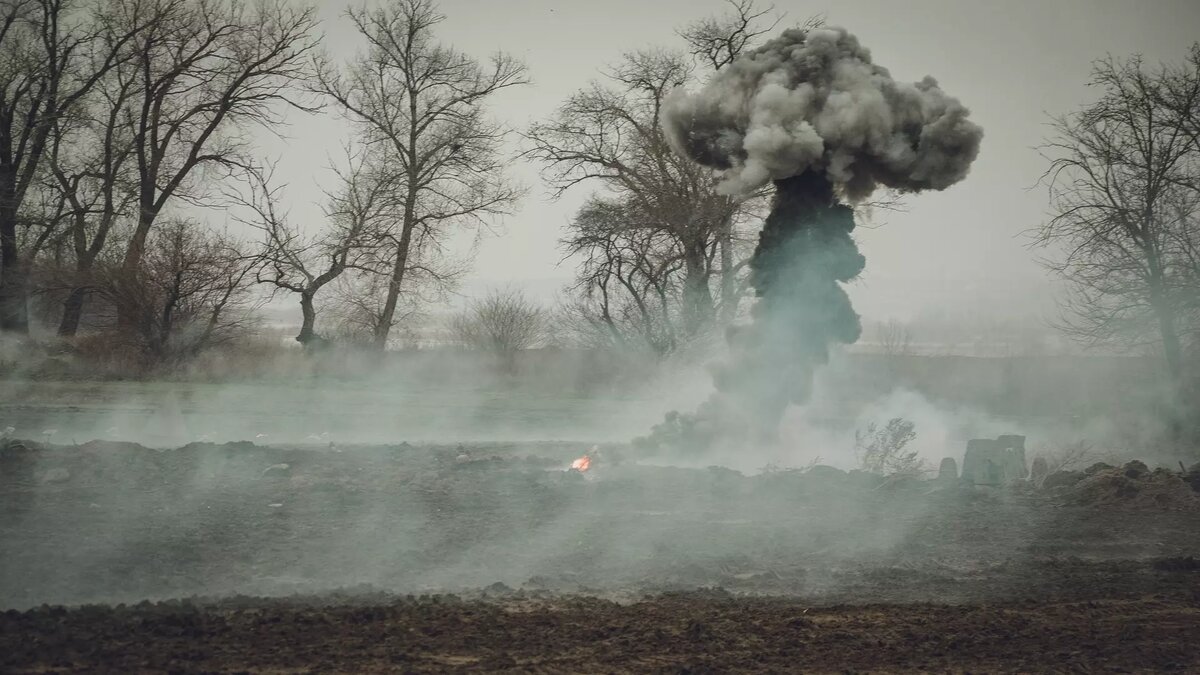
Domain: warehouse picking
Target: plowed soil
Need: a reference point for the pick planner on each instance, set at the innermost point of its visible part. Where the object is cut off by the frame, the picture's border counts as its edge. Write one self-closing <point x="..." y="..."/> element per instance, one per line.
<point x="687" y="633"/>
<point x="494" y="558"/>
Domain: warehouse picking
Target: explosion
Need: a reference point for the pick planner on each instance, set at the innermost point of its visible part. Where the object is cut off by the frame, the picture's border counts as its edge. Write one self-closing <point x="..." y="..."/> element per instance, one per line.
<point x="811" y="113"/>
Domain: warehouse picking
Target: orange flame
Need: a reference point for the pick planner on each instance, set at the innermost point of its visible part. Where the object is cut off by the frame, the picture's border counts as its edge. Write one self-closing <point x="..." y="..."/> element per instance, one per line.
<point x="582" y="463"/>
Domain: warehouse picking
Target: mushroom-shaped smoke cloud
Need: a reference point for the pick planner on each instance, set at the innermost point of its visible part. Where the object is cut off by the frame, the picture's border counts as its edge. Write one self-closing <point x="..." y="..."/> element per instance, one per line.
<point x="811" y="113"/>
<point x="812" y="101"/>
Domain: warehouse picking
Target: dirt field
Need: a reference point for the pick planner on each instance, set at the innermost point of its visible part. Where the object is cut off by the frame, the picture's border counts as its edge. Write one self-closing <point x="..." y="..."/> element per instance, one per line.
<point x="686" y="633"/>
<point x="630" y="567"/>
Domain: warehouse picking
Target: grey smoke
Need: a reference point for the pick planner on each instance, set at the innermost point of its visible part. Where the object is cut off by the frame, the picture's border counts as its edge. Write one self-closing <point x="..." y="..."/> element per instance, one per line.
<point x="809" y="112"/>
<point x="814" y="101"/>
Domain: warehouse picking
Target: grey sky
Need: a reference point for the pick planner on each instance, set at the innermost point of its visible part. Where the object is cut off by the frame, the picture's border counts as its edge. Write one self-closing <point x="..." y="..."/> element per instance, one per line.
<point x="1010" y="62"/>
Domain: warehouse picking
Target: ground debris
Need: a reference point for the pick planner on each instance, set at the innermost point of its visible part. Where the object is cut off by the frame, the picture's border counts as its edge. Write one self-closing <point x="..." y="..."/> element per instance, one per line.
<point x="1132" y="485"/>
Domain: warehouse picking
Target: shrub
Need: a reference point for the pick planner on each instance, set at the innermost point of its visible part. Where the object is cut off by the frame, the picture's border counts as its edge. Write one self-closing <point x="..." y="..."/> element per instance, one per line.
<point x="882" y="450"/>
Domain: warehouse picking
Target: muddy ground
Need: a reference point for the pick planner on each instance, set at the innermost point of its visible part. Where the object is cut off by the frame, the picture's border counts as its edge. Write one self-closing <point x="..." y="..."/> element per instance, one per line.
<point x="349" y="554"/>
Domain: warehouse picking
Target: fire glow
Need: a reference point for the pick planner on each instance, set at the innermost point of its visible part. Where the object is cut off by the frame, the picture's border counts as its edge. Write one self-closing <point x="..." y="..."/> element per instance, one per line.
<point x="582" y="464"/>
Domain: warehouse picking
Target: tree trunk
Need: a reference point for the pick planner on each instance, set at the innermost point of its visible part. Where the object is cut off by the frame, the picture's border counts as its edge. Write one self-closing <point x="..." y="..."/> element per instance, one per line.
<point x="72" y="312"/>
<point x="698" y="306"/>
<point x="14" y="310"/>
<point x="73" y="305"/>
<point x="384" y="328"/>
<point x="137" y="243"/>
<point x="131" y="264"/>
<point x="728" y="281"/>
<point x="307" y="333"/>
<point x="1172" y="349"/>
<point x="1172" y="358"/>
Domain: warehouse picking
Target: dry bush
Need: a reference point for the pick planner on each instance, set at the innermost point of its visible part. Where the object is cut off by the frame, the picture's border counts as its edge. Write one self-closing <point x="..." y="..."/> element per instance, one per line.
<point x="193" y="292"/>
<point x="354" y="309"/>
<point x="503" y="322"/>
<point x="882" y="450"/>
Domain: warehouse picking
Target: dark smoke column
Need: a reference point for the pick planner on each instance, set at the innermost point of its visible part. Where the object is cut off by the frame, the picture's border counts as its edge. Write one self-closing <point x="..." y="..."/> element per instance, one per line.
<point x="810" y="113"/>
<point x="804" y="251"/>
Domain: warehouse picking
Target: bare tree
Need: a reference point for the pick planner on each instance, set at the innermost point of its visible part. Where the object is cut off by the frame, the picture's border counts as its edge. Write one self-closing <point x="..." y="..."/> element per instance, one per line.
<point x="90" y="164"/>
<point x="895" y="338"/>
<point x="503" y="323"/>
<point x="628" y="284"/>
<point x="207" y="71"/>
<point x="43" y="220"/>
<point x="193" y="292"/>
<point x="52" y="53"/>
<point x="422" y="104"/>
<point x="353" y="307"/>
<point x="718" y="40"/>
<point x="1180" y="98"/>
<point x="293" y="262"/>
<point x="1123" y="185"/>
<point x="610" y="134"/>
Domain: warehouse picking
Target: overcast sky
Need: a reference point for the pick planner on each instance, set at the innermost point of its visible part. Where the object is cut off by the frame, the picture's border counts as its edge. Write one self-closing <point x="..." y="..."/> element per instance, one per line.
<point x="1010" y="62"/>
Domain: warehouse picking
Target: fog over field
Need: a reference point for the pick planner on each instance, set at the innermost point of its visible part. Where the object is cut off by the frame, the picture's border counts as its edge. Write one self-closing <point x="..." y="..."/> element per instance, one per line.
<point x="441" y="335"/>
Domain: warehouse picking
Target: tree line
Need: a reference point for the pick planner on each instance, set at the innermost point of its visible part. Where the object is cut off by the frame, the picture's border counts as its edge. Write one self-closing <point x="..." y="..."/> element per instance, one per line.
<point x="120" y="119"/>
<point x="123" y="120"/>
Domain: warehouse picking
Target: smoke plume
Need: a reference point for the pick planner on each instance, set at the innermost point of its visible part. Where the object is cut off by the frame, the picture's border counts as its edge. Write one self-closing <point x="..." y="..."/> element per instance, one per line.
<point x="813" y="102"/>
<point x="811" y="113"/>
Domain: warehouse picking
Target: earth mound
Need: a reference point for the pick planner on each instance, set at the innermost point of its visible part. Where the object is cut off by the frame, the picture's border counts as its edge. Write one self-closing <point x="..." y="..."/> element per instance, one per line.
<point x="1133" y="485"/>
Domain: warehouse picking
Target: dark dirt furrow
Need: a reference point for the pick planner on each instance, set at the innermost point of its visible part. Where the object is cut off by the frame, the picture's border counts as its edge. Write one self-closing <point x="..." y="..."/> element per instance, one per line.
<point x="690" y="632"/>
